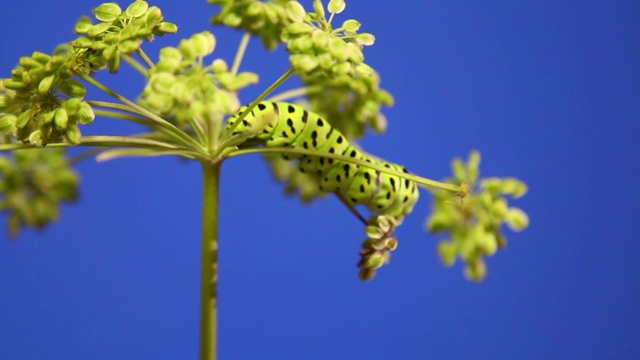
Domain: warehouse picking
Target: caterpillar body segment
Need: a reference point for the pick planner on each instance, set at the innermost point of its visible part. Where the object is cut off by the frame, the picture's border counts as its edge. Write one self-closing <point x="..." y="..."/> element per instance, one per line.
<point x="284" y="124"/>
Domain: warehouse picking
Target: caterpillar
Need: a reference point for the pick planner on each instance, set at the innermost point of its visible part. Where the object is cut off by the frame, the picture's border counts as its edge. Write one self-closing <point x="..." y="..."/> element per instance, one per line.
<point x="279" y="124"/>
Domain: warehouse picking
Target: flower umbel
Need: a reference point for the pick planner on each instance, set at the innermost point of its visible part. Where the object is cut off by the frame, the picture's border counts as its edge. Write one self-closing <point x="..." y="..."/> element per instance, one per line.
<point x="474" y="222"/>
<point x="33" y="184"/>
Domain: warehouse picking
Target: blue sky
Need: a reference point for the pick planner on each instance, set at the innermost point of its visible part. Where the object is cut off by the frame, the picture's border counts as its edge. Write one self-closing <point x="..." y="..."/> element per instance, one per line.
<point x="548" y="91"/>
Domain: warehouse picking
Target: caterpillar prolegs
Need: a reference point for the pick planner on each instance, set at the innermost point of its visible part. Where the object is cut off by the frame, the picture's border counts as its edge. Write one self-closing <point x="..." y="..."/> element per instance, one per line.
<point x="286" y="125"/>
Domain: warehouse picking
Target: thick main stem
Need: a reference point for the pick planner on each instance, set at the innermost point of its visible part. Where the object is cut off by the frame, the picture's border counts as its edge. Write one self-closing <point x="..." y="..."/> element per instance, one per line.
<point x="209" y="296"/>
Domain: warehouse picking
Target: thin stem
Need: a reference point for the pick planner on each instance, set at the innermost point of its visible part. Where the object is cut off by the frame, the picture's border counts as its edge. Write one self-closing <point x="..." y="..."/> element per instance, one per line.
<point x="145" y="58"/>
<point x="242" y="48"/>
<point x="351" y="208"/>
<point x="169" y="128"/>
<point x="209" y="295"/>
<point x="264" y="94"/>
<point x="119" y="115"/>
<point x="135" y="64"/>
<point x="290" y="94"/>
<point x="417" y="179"/>
<point x="111" y="141"/>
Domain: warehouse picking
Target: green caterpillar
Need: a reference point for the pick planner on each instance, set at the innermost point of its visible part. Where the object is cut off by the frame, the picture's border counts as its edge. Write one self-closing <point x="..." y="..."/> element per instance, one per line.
<point x="291" y="125"/>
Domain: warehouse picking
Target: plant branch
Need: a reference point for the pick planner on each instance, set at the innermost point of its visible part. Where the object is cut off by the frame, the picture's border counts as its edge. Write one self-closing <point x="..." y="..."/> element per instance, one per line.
<point x="145" y="57"/>
<point x="169" y="128"/>
<point x="300" y="151"/>
<point x="135" y="64"/>
<point x="242" y="48"/>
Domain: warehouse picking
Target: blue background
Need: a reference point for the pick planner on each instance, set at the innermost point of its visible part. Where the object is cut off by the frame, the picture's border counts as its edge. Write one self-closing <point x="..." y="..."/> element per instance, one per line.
<point x="548" y="91"/>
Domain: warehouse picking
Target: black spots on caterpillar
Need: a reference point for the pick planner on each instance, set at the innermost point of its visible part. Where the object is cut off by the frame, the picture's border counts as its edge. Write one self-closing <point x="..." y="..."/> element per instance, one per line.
<point x="291" y="126"/>
<point x="288" y="125"/>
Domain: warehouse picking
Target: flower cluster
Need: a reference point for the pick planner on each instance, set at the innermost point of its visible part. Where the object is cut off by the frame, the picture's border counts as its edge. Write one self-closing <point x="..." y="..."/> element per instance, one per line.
<point x="41" y="103"/>
<point x="117" y="32"/>
<point x="474" y="223"/>
<point x="330" y="62"/>
<point x="33" y="183"/>
<point x="266" y="20"/>
<point x="377" y="248"/>
<point x="183" y="88"/>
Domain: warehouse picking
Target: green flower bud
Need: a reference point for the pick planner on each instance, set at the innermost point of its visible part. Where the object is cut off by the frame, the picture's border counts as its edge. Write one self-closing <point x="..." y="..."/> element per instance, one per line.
<point x="325" y="61"/>
<point x="297" y="28"/>
<point x="107" y="12"/>
<point x="83" y="25"/>
<point x="378" y="244"/>
<point x="129" y="46"/>
<point x="447" y="252"/>
<point x="490" y="244"/>
<point x="153" y="16"/>
<point x="514" y="187"/>
<point x="517" y="219"/>
<point x="204" y="43"/>
<point x="14" y="84"/>
<point x="137" y="9"/>
<point x="366" y="274"/>
<point x="61" y="118"/>
<point x="73" y="88"/>
<point x="499" y="208"/>
<point x="473" y="166"/>
<point x="45" y="84"/>
<point x="166" y="27"/>
<point x="391" y="243"/>
<point x="41" y="57"/>
<point x="47" y="117"/>
<point x="219" y="66"/>
<point x="295" y="11"/>
<point x="29" y="63"/>
<point x="342" y="68"/>
<point x="351" y="25"/>
<point x="8" y="123"/>
<point x="304" y="63"/>
<point x="476" y="270"/>
<point x="73" y="134"/>
<point x="336" y="6"/>
<point x="86" y="115"/>
<point x="355" y="53"/>
<point x="98" y="29"/>
<point x="375" y="260"/>
<point x="5" y="100"/>
<point x="373" y="232"/>
<point x="114" y="63"/>
<point x="188" y="49"/>
<point x="24" y="118"/>
<point x="82" y="42"/>
<point x="35" y="138"/>
<point x="319" y="8"/>
<point x="459" y="170"/>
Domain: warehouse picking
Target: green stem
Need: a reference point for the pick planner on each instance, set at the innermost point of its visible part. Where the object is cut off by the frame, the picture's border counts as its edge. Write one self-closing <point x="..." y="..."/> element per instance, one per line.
<point x="179" y="135"/>
<point x="128" y="117"/>
<point x="242" y="48"/>
<point x="107" y="141"/>
<point x="293" y="93"/>
<point x="347" y="159"/>
<point x="135" y="64"/>
<point x="145" y="58"/>
<point x="209" y="295"/>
